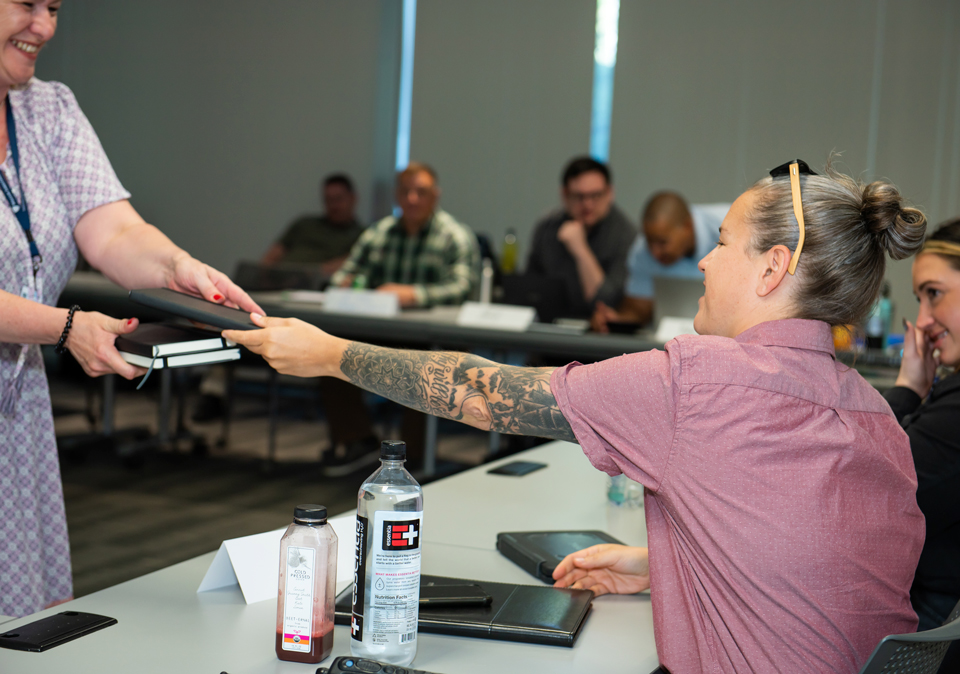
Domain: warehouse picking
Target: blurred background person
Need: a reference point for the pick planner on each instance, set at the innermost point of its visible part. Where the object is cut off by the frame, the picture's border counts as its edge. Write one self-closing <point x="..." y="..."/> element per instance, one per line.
<point x="423" y="256"/>
<point x="674" y="237"/>
<point x="323" y="239"/>
<point x="584" y="244"/>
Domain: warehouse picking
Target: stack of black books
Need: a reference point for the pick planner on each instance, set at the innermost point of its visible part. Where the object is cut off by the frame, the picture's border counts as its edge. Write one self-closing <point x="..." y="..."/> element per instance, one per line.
<point x="169" y="344"/>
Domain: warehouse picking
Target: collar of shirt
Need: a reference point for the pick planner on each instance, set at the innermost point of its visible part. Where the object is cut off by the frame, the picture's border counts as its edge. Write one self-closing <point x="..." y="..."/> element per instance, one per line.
<point x="398" y="228"/>
<point x="794" y="333"/>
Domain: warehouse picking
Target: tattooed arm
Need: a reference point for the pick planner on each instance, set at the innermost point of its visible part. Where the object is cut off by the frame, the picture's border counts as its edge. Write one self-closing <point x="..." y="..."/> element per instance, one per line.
<point x="459" y="386"/>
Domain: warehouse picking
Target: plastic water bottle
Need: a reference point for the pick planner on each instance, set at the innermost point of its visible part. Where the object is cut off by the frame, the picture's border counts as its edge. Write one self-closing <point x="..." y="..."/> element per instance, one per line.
<point x="624" y="492"/>
<point x="386" y="577"/>
<point x="486" y="281"/>
<point x="626" y="518"/>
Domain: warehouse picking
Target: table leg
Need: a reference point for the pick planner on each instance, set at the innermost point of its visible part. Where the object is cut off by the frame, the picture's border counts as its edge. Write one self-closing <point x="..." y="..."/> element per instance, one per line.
<point x="430" y="447"/>
<point x="109" y="403"/>
<point x="273" y="412"/>
<point x="163" y="413"/>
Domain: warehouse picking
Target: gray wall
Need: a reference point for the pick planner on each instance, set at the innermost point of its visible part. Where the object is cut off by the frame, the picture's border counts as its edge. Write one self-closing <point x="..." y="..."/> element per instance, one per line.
<point x="501" y="99"/>
<point x="709" y="96"/>
<point x="222" y="116"/>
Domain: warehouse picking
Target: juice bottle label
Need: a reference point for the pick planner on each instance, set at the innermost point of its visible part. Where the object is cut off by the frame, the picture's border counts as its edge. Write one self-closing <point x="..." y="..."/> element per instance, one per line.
<point x="395" y="578"/>
<point x="298" y="602"/>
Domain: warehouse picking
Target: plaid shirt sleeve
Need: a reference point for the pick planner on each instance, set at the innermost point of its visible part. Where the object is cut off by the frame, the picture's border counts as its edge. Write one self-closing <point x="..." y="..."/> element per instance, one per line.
<point x="357" y="259"/>
<point x="462" y="272"/>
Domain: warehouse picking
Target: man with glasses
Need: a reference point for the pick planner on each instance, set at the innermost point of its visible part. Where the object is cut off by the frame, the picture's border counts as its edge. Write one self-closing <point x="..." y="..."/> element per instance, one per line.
<point x="585" y="243"/>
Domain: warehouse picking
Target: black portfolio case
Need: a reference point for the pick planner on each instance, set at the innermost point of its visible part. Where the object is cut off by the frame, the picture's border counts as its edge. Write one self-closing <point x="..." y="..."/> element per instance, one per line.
<point x="539" y="552"/>
<point x="186" y="306"/>
<point x="525" y="613"/>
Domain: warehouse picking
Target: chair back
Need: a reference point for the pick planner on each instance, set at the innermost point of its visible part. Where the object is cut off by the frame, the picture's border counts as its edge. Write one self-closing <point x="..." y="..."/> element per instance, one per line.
<point x="919" y="653"/>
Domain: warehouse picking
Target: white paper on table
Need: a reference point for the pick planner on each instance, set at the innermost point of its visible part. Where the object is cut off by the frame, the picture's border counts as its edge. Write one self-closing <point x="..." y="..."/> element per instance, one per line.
<point x="307" y="296"/>
<point x="673" y="326"/>
<point x="253" y="562"/>
<point x="496" y="316"/>
<point x="361" y="302"/>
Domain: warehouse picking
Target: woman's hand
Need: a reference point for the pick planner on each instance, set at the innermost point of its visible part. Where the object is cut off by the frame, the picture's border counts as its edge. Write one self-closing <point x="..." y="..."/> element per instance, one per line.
<point x="91" y="341"/>
<point x="189" y="275"/>
<point x="291" y="346"/>
<point x="918" y="367"/>
<point x="605" y="569"/>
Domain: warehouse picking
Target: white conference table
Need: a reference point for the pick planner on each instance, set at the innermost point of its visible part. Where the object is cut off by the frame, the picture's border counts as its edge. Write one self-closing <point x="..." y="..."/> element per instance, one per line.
<point x="166" y="627"/>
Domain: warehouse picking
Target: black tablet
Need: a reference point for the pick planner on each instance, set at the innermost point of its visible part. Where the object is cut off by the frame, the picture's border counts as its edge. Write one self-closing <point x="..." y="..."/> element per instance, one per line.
<point x="517" y="468"/>
<point x="194" y="308"/>
<point x="539" y="552"/>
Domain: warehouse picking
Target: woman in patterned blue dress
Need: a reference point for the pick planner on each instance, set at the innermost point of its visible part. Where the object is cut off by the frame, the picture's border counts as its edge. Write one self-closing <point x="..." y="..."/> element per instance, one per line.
<point x="73" y="200"/>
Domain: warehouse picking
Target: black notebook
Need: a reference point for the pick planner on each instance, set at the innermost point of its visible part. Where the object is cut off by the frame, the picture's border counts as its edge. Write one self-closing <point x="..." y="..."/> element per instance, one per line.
<point x="151" y="340"/>
<point x="194" y="308"/>
<point x="539" y="552"/>
<point x="183" y="360"/>
<point x="525" y="613"/>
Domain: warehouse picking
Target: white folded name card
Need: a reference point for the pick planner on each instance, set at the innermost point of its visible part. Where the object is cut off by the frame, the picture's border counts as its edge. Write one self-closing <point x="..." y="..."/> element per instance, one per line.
<point x="361" y="302"/>
<point x="496" y="316"/>
<point x="253" y="562"/>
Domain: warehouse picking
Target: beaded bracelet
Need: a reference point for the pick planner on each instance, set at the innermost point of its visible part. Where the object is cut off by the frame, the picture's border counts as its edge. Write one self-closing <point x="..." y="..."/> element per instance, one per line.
<point x="60" y="348"/>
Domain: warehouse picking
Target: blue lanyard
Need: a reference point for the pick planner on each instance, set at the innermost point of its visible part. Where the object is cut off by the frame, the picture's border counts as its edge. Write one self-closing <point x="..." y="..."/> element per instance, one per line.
<point x="19" y="208"/>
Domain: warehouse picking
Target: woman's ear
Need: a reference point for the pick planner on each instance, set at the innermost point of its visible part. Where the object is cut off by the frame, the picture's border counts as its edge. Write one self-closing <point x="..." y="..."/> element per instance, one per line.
<point x="773" y="269"/>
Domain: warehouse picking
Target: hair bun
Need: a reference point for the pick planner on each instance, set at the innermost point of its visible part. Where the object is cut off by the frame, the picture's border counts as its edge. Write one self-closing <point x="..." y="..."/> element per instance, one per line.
<point x="897" y="228"/>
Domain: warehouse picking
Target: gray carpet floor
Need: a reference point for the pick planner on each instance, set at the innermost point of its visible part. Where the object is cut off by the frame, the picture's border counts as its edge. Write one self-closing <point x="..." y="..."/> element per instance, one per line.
<point x="130" y="515"/>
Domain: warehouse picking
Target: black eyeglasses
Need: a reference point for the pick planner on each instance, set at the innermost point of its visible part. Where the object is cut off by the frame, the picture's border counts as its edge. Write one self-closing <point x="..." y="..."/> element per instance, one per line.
<point x="793" y="169"/>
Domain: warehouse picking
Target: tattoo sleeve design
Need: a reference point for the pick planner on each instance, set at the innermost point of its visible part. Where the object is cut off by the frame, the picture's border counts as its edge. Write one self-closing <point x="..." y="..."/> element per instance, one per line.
<point x="518" y="399"/>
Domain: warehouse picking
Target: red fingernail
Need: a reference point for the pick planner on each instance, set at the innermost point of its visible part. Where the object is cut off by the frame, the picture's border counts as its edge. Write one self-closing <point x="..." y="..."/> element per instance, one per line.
<point x="218" y="297"/>
<point x="129" y="321"/>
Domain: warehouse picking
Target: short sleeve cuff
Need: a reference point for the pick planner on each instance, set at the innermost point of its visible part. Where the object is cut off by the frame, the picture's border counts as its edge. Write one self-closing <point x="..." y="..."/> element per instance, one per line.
<point x="592" y="447"/>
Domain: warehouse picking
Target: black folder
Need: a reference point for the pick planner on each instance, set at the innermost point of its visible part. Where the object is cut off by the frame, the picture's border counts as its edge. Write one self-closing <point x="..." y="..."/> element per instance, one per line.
<point x="525" y="613"/>
<point x="539" y="552"/>
<point x="193" y="308"/>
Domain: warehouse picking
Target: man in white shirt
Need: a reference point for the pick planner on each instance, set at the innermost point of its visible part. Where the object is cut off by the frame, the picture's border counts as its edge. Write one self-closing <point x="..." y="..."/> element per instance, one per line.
<point x="675" y="237"/>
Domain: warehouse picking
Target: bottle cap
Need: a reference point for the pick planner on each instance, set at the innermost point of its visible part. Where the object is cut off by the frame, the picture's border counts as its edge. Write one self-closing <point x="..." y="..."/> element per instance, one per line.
<point x="393" y="450"/>
<point x="310" y="513"/>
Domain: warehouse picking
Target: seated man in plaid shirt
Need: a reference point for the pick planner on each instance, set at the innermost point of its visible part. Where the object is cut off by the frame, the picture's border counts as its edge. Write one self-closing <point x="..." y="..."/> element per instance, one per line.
<point x="424" y="257"/>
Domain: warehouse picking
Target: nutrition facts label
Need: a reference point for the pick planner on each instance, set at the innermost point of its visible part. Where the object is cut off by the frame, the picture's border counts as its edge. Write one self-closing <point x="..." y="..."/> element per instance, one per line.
<point x="395" y="562"/>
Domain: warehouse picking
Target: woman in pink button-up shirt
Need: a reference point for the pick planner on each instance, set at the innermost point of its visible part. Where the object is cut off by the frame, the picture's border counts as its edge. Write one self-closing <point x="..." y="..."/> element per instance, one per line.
<point x="780" y="491"/>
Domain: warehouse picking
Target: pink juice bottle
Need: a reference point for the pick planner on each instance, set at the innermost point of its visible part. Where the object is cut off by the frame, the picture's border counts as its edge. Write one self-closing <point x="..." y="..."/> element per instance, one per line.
<point x="308" y="578"/>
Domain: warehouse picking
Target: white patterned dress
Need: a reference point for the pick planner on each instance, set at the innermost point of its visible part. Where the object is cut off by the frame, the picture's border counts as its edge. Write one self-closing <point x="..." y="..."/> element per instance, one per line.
<point x="65" y="173"/>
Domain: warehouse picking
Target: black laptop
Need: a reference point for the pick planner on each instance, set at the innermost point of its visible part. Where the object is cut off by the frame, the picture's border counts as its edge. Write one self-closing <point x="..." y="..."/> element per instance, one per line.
<point x="547" y="294"/>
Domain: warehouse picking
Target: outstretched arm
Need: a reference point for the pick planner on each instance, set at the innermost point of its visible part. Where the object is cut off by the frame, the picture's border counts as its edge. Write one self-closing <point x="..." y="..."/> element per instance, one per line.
<point x="459" y="386"/>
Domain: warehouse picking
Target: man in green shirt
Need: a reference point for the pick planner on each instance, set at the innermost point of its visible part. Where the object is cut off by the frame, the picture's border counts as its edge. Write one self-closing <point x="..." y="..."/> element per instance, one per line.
<point x="321" y="239"/>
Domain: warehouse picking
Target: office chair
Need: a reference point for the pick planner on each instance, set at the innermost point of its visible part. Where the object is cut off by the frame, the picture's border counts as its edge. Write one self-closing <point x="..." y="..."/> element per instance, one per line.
<point x="918" y="653"/>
